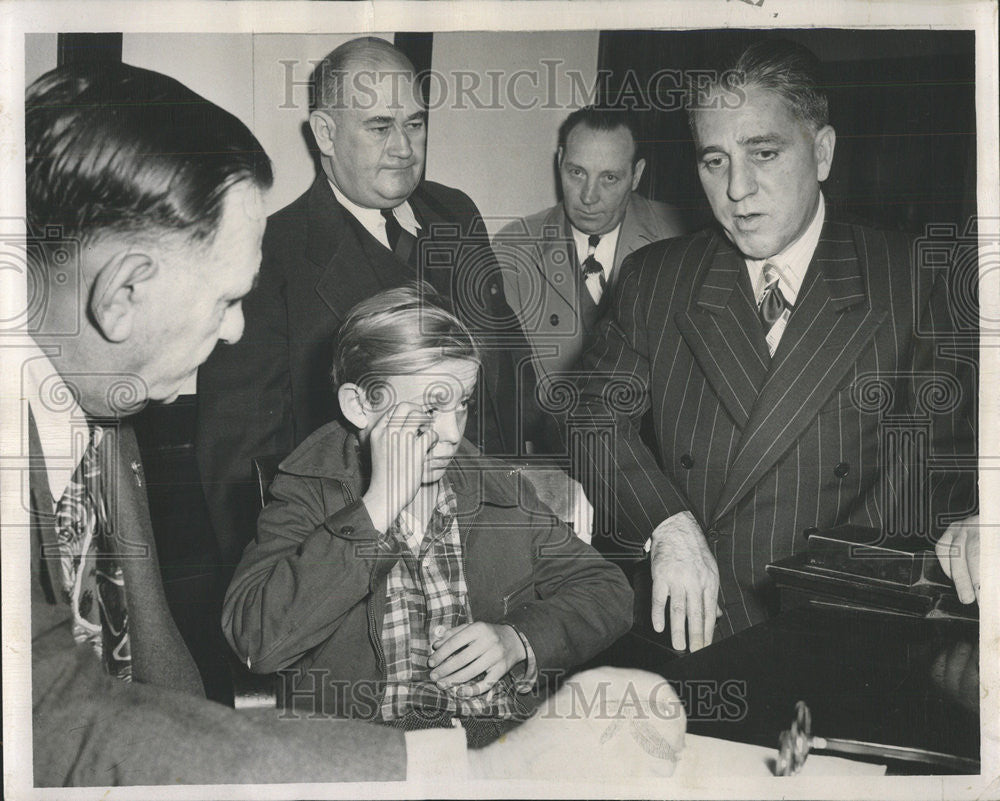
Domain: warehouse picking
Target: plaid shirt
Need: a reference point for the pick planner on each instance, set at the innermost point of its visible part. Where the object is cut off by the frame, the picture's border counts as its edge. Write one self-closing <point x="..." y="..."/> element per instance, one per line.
<point x="426" y="589"/>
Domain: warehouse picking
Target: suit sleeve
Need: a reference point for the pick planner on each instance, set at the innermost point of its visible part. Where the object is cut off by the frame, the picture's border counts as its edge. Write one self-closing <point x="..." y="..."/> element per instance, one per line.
<point x="90" y="729"/>
<point x="245" y="410"/>
<point x="630" y="493"/>
<point x="310" y="564"/>
<point x="944" y="387"/>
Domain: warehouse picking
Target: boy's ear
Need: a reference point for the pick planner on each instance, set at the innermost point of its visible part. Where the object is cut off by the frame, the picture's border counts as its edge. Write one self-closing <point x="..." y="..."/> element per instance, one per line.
<point x="351" y="398"/>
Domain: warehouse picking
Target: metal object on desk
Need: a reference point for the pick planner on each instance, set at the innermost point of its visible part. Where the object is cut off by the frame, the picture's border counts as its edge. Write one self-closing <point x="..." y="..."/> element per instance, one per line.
<point x="861" y="567"/>
<point x="795" y="743"/>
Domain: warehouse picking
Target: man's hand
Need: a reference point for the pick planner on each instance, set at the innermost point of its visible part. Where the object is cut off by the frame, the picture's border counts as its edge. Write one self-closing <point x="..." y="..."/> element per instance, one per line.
<point x="399" y="441"/>
<point x="470" y="650"/>
<point x="565" y="497"/>
<point x="958" y="553"/>
<point x="685" y="572"/>
<point x="606" y="723"/>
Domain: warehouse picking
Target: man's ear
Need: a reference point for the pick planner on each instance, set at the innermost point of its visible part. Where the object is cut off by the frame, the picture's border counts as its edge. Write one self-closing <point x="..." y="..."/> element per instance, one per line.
<point x="323" y="127"/>
<point x="117" y="292"/>
<point x="351" y="398"/>
<point x="823" y="145"/>
<point x="559" y="156"/>
<point x="640" y="165"/>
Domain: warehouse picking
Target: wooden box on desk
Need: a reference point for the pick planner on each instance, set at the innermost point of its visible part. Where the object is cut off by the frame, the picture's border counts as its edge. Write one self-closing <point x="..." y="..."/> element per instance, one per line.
<point x="861" y="567"/>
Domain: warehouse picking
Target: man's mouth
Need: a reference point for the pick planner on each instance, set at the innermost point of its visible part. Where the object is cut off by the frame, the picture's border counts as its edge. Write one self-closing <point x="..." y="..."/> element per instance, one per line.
<point x="747" y="222"/>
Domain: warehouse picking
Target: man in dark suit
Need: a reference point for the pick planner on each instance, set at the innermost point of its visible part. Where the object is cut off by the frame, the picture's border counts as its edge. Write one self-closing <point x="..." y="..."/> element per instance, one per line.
<point x="779" y="356"/>
<point x="145" y="214"/>
<point x="367" y="223"/>
<point x="560" y="263"/>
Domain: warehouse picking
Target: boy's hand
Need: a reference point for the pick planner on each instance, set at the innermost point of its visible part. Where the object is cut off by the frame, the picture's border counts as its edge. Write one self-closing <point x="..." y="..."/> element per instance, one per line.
<point x="467" y="651"/>
<point x="399" y="442"/>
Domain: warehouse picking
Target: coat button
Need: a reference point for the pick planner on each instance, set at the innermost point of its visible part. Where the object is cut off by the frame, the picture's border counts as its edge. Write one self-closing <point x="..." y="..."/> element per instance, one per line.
<point x="687" y="462"/>
<point x="808" y="532"/>
<point x="713" y="536"/>
<point x="841" y="470"/>
<point x="554" y="319"/>
<point x="347" y="530"/>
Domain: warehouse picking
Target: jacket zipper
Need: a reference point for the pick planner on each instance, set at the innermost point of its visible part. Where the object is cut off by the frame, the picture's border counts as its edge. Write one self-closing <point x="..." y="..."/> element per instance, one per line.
<point x="372" y="630"/>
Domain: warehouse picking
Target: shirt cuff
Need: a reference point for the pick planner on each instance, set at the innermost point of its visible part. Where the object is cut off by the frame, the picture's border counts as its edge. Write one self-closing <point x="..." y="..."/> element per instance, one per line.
<point x="437" y="755"/>
<point x="526" y="682"/>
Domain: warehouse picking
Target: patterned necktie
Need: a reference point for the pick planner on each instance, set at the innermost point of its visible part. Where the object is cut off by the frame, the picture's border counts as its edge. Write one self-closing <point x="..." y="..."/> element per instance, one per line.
<point x="592" y="267"/>
<point x="772" y="308"/>
<point x="93" y="583"/>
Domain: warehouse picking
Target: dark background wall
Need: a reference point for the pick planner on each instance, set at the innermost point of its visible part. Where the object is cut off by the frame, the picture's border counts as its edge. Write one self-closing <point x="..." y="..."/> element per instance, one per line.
<point x="902" y="103"/>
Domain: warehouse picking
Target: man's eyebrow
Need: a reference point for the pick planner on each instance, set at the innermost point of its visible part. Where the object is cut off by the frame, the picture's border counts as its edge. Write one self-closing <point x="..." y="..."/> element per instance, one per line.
<point x="379" y="120"/>
<point x="417" y="115"/>
<point x="709" y="149"/>
<point x="764" y="139"/>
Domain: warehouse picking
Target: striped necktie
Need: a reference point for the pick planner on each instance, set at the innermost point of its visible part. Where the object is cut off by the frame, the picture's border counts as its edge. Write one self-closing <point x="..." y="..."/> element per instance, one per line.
<point x="772" y="308"/>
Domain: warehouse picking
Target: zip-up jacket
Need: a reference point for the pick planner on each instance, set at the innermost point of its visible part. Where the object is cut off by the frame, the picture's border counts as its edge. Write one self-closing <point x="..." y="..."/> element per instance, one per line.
<point x="309" y="592"/>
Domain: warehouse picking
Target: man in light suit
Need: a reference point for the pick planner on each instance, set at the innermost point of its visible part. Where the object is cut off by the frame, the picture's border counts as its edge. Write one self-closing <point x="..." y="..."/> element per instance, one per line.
<point x="544" y="256"/>
<point x="369" y="222"/>
<point x="145" y="221"/>
<point x="781" y="357"/>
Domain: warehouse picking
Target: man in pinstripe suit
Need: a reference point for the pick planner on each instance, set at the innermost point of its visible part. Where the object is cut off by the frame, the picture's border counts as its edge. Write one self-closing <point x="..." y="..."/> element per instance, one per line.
<point x="792" y="363"/>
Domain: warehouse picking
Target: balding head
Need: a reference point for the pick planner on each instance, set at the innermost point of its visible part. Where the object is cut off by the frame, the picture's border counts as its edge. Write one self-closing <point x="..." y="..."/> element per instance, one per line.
<point x="335" y="79"/>
<point x="369" y="122"/>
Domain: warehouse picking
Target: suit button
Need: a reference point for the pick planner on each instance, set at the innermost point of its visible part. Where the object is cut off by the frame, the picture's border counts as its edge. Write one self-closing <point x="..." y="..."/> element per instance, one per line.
<point x="554" y="319"/>
<point x="347" y="530"/>
<point x="687" y="462"/>
<point x="808" y="532"/>
<point x="713" y="536"/>
<point x="841" y="470"/>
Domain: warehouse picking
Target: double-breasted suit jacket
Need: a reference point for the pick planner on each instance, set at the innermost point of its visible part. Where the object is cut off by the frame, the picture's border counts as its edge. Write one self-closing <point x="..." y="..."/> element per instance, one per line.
<point x="265" y="394"/>
<point x="865" y="414"/>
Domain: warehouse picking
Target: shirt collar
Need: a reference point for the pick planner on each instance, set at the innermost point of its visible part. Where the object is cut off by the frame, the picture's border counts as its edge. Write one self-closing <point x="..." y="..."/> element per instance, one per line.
<point x="792" y="262"/>
<point x="62" y="426"/>
<point x="372" y="219"/>
<point x="605" y="253"/>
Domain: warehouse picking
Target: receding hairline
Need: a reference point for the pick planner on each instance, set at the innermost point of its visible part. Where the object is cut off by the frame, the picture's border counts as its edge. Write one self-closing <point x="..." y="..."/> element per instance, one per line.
<point x="617" y="129"/>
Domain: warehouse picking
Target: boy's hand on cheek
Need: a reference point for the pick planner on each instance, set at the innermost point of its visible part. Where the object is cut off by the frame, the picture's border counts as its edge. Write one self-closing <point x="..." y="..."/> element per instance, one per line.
<point x="466" y="652"/>
<point x="399" y="442"/>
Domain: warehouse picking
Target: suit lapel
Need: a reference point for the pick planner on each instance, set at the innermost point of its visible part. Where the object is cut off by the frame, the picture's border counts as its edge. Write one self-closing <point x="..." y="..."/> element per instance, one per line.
<point x="722" y="330"/>
<point x="159" y="655"/>
<point x="337" y="246"/>
<point x="635" y="234"/>
<point x="832" y="323"/>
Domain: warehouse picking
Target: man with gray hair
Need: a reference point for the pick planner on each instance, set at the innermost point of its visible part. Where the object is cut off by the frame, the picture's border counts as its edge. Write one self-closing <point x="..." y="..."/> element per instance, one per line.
<point x="368" y="222"/>
<point x="772" y="351"/>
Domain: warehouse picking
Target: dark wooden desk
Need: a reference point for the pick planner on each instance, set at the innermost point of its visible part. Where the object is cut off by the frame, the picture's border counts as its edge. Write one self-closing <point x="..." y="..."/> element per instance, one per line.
<point x="865" y="676"/>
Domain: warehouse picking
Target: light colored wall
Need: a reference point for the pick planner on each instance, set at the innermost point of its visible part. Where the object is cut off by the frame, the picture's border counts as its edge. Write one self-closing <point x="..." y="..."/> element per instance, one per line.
<point x="503" y="157"/>
<point x="40" y="55"/>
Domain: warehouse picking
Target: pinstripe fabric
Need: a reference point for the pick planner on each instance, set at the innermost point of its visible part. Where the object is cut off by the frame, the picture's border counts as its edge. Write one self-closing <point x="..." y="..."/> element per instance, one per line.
<point x="835" y="429"/>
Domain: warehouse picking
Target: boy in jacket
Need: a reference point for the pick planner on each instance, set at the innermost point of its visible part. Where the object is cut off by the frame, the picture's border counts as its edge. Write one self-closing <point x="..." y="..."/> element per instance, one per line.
<point x="401" y="576"/>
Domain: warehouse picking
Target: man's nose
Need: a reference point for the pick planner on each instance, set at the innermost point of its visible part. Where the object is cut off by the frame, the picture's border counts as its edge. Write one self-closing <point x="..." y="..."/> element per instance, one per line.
<point x="742" y="181"/>
<point x="399" y="143"/>
<point x="590" y="193"/>
<point x="232" y="325"/>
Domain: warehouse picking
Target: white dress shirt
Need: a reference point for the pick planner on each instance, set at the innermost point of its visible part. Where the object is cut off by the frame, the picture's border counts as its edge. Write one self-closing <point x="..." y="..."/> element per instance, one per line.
<point x="63" y="429"/>
<point x="604" y="254"/>
<point x="372" y="219"/>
